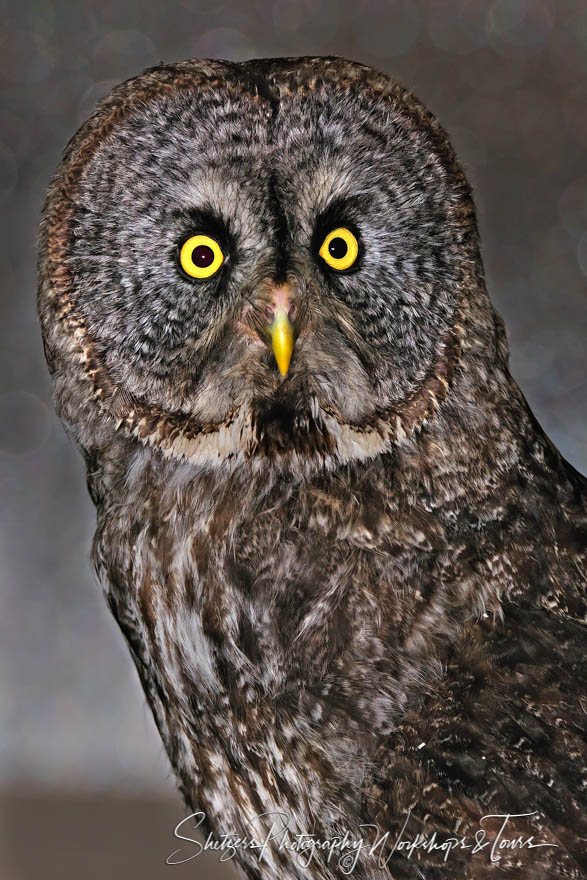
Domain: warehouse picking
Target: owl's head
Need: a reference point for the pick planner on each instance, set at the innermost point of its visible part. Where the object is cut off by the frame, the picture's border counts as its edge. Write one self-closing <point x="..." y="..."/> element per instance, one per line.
<point x="267" y="259"/>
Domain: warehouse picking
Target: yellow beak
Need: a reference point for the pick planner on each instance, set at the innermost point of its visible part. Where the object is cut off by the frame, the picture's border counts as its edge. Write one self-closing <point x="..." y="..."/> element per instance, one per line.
<point x="281" y="332"/>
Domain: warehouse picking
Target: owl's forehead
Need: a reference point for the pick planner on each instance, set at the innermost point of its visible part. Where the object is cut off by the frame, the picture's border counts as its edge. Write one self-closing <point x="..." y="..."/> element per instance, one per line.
<point x="228" y="151"/>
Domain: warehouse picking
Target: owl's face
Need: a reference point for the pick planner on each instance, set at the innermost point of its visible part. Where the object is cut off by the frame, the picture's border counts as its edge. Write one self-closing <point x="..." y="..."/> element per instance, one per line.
<point x="266" y="263"/>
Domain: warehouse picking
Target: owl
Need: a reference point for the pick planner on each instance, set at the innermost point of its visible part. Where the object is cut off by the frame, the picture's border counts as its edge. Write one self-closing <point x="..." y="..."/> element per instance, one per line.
<point x="346" y="559"/>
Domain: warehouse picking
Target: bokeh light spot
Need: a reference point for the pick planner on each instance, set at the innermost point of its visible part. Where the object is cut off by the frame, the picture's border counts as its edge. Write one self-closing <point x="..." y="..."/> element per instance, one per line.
<point x="386" y="28"/>
<point x="519" y="27"/>
<point x="457" y="28"/>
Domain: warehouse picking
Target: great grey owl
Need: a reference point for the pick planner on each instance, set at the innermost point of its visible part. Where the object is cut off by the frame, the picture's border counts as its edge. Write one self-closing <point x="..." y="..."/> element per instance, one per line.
<point x="345" y="557"/>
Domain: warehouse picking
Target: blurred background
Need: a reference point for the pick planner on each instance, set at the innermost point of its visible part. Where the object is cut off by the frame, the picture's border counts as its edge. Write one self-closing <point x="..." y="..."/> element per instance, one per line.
<point x="86" y="788"/>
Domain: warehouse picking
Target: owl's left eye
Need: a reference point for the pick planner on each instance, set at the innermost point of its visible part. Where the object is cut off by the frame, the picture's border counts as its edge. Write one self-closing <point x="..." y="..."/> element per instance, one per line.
<point x="340" y="249"/>
<point x="200" y="256"/>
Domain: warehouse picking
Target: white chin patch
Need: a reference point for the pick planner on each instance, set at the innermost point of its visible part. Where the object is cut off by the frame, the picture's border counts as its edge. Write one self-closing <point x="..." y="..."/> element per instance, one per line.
<point x="237" y="442"/>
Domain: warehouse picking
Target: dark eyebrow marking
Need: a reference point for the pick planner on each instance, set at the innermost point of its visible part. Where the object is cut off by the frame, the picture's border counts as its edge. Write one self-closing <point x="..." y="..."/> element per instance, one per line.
<point x="340" y="212"/>
<point x="203" y="219"/>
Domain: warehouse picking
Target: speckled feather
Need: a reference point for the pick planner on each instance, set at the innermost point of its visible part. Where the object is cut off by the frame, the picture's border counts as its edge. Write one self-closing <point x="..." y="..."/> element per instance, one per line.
<point x="360" y="590"/>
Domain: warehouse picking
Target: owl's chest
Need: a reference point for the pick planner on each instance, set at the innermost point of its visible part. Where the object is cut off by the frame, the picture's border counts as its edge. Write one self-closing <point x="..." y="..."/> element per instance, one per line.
<point x="303" y="600"/>
<point x="279" y="612"/>
<point x="281" y="606"/>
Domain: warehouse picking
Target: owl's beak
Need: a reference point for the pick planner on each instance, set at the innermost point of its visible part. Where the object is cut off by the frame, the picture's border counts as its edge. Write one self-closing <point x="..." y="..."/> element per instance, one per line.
<point x="280" y="314"/>
<point x="282" y="340"/>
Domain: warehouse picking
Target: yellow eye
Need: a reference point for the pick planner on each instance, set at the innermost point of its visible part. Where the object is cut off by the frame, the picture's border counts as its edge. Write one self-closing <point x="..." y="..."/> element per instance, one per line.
<point x="200" y="256"/>
<point x="339" y="249"/>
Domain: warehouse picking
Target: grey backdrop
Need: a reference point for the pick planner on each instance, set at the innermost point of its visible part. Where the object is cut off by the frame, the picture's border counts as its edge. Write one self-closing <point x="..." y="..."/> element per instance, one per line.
<point x="507" y="80"/>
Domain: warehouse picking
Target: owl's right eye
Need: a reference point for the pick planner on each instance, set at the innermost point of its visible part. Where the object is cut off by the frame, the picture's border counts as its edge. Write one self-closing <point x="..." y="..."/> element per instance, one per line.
<point x="200" y="256"/>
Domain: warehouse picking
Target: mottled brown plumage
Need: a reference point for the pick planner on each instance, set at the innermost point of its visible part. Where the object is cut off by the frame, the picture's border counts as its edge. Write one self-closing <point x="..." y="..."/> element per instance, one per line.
<point x="354" y="594"/>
